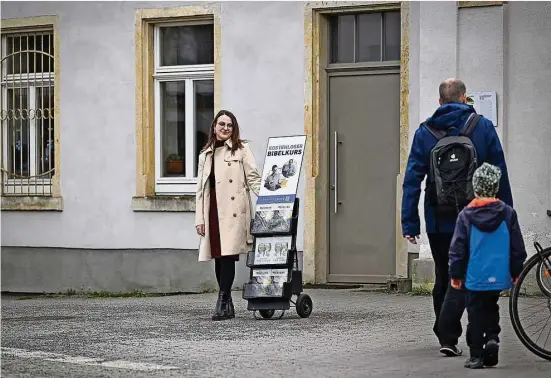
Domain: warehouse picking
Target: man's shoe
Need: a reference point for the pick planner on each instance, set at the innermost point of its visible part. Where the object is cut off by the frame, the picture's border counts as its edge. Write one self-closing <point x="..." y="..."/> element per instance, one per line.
<point x="491" y="353"/>
<point x="451" y="351"/>
<point x="221" y="310"/>
<point x="474" y="363"/>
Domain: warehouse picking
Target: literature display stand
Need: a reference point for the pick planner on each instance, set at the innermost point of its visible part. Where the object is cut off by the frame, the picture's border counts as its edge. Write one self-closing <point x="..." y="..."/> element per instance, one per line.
<point x="274" y="281"/>
<point x="275" y="276"/>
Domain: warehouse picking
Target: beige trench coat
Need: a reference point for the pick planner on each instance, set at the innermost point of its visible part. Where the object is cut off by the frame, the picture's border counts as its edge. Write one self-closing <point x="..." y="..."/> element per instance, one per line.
<point x="236" y="175"/>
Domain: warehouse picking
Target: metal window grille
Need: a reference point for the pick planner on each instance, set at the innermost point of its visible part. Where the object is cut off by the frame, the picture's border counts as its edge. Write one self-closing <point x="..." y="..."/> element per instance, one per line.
<point x="27" y="113"/>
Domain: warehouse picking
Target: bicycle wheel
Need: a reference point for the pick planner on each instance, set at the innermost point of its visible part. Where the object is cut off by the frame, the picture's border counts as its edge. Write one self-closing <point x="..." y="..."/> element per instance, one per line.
<point x="530" y="308"/>
<point x="544" y="276"/>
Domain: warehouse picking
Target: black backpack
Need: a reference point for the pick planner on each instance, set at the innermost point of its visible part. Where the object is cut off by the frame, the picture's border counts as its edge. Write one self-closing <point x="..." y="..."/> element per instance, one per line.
<point x="452" y="164"/>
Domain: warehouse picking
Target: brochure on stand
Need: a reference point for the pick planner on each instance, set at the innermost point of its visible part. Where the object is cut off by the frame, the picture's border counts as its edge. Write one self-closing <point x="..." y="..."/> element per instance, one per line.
<point x="269" y="282"/>
<point x="280" y="175"/>
<point x="272" y="250"/>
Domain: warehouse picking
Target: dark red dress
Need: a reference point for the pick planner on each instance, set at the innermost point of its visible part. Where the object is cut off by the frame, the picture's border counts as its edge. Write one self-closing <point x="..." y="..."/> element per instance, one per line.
<point x="214" y="224"/>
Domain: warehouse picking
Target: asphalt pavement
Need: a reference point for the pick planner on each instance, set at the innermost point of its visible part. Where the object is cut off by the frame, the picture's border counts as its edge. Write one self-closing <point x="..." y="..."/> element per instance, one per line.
<point x="351" y="333"/>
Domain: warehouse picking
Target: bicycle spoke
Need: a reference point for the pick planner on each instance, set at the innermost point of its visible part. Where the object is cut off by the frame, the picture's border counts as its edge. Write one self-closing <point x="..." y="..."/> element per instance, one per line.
<point x="534" y="313"/>
<point x="533" y="324"/>
<point x="530" y="315"/>
<point x="548" y="334"/>
<point x="546" y="263"/>
<point x="541" y="329"/>
<point x="527" y="308"/>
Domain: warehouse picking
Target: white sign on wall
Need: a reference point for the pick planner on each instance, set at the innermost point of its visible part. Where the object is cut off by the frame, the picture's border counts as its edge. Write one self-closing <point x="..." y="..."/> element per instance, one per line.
<point x="485" y="103"/>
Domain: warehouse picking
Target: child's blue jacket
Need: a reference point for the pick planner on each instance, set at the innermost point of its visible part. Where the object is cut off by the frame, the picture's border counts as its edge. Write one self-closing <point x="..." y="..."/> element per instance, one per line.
<point x="487" y="248"/>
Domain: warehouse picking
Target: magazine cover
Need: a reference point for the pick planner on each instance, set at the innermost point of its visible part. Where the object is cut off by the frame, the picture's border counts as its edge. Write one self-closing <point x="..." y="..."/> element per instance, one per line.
<point x="282" y="166"/>
<point x="274" y="207"/>
<point x="267" y="219"/>
<point x="272" y="250"/>
<point x="269" y="282"/>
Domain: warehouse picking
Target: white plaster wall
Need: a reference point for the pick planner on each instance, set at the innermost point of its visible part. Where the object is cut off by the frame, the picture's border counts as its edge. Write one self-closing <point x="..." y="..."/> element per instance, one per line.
<point x="437" y="51"/>
<point x="481" y="54"/>
<point x="263" y="74"/>
<point x="502" y="49"/>
<point x="529" y="123"/>
<point x="262" y="82"/>
<point x="437" y="61"/>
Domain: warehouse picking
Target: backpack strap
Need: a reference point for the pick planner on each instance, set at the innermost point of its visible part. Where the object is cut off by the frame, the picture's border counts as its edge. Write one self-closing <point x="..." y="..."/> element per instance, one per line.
<point x="438" y="134"/>
<point x="470" y="125"/>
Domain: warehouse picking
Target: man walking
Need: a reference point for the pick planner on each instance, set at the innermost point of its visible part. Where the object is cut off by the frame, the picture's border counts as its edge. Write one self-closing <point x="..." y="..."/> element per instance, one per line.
<point x="447" y="148"/>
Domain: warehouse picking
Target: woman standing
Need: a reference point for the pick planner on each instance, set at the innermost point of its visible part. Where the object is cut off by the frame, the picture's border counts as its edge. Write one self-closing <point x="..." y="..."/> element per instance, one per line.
<point x="227" y="172"/>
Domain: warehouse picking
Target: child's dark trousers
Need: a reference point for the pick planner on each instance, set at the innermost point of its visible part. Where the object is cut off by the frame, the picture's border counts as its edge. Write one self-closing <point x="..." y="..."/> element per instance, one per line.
<point x="483" y="313"/>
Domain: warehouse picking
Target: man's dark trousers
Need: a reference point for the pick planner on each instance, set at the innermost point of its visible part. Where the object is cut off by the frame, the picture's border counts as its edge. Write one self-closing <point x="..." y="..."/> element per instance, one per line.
<point x="449" y="303"/>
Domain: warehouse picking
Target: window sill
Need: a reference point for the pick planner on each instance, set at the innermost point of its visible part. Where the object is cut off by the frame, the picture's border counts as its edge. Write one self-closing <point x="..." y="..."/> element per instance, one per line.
<point x="32" y="203"/>
<point x="473" y="4"/>
<point x="183" y="203"/>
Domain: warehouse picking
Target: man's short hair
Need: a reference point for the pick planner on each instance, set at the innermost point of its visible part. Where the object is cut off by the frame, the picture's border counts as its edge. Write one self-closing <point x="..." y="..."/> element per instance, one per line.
<point x="452" y="91"/>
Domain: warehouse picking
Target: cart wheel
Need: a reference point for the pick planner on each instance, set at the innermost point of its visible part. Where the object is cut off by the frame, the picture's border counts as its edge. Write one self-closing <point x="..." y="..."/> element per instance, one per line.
<point x="304" y="305"/>
<point x="266" y="314"/>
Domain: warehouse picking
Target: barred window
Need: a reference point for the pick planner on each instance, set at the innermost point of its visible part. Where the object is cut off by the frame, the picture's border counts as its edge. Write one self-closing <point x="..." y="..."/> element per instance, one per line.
<point x="27" y="113"/>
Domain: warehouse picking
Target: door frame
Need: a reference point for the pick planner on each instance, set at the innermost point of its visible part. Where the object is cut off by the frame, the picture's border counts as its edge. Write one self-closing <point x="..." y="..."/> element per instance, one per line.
<point x="316" y="203"/>
<point x="379" y="69"/>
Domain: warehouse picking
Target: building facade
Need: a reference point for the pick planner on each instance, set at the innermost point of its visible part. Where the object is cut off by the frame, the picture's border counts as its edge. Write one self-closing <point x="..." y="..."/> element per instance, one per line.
<point x="105" y="106"/>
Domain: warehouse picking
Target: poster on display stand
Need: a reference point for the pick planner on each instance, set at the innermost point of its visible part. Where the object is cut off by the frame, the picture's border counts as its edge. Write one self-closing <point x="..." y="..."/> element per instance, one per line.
<point x="278" y="189"/>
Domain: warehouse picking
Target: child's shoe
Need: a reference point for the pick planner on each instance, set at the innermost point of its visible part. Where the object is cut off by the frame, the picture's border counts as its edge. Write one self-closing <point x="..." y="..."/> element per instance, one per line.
<point x="491" y="352"/>
<point x="474" y="363"/>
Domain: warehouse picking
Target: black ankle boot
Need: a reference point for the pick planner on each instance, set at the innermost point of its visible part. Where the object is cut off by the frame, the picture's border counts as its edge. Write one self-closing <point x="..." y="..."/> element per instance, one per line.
<point x="221" y="310"/>
<point x="231" y="309"/>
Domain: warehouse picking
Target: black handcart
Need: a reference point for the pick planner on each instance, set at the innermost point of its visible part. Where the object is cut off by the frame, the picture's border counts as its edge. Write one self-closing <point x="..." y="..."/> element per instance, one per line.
<point x="275" y="279"/>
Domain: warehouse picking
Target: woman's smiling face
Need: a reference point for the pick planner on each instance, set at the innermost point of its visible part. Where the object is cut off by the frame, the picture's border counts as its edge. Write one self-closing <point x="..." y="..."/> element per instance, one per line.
<point x="223" y="128"/>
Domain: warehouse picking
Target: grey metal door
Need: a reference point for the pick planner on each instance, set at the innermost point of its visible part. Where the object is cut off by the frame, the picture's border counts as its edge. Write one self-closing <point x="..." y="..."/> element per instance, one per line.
<point x="364" y="136"/>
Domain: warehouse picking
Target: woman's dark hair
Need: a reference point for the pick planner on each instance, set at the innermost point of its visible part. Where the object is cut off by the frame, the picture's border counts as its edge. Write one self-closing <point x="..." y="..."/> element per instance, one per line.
<point x="237" y="142"/>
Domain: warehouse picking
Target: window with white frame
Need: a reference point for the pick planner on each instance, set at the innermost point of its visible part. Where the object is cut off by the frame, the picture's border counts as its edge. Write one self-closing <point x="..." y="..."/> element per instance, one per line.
<point x="184" y="102"/>
<point x="27" y="112"/>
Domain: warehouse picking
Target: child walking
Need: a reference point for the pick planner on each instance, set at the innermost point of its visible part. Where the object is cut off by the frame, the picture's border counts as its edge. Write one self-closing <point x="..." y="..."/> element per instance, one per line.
<point x="487" y="254"/>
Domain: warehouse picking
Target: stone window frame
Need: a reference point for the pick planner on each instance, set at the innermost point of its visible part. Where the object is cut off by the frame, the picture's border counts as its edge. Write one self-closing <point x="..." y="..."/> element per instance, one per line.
<point x="146" y="198"/>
